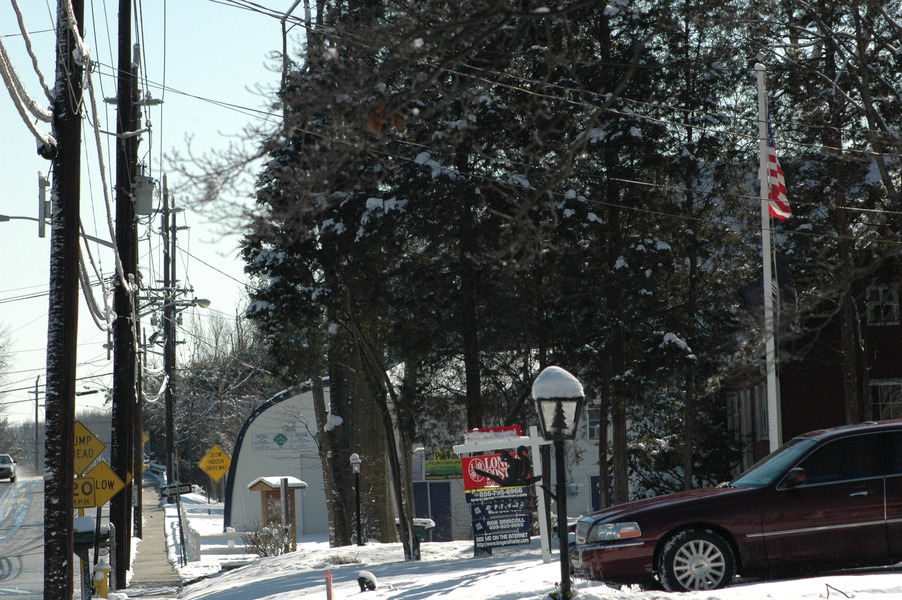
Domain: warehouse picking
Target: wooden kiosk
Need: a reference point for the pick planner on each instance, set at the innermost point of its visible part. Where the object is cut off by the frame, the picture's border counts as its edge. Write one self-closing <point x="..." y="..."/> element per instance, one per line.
<point x="277" y="509"/>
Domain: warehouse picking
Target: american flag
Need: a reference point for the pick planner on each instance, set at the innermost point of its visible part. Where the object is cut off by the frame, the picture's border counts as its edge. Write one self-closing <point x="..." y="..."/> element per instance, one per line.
<point x="778" y="205"/>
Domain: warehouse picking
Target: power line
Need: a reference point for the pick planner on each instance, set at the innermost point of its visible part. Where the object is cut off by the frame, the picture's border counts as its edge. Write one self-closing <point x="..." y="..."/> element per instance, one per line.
<point x="41" y="386"/>
<point x="488" y="76"/>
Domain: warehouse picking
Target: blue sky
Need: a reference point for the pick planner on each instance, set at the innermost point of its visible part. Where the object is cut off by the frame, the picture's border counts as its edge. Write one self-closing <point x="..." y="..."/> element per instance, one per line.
<point x="213" y="59"/>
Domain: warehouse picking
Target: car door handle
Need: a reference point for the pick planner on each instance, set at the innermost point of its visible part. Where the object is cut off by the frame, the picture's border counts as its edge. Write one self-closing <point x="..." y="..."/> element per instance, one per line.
<point x="860" y="493"/>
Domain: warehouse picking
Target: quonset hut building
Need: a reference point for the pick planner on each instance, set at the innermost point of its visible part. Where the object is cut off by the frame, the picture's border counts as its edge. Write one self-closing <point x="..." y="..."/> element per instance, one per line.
<point x="276" y="441"/>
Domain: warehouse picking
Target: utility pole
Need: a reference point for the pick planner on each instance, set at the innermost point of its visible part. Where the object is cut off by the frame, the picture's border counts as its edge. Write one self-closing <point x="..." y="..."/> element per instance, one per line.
<point x="168" y="230"/>
<point x="124" y="327"/>
<point x="138" y="437"/>
<point x="36" y="416"/>
<point x="62" y="317"/>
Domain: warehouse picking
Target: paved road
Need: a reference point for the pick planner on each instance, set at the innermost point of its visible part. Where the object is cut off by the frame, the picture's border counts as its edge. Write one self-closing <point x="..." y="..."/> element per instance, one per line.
<point x="22" y="538"/>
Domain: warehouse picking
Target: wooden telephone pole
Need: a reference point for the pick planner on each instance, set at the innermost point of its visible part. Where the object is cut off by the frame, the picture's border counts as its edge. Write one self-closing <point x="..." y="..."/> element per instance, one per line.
<point x="62" y="318"/>
<point x="125" y="328"/>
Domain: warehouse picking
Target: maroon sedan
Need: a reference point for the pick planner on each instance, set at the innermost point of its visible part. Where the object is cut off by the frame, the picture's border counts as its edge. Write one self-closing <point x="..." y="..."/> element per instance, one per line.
<point x="827" y="499"/>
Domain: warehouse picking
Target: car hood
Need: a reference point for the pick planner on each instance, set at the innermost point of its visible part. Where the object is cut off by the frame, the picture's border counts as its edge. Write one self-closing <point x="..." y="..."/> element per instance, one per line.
<point x="671" y="500"/>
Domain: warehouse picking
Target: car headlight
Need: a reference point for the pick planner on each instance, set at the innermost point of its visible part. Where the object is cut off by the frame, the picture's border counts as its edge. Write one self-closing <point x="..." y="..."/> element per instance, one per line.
<point x="608" y="532"/>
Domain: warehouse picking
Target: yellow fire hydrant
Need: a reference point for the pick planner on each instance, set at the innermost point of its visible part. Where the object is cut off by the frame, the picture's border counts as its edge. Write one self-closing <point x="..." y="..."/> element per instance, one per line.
<point x="102" y="578"/>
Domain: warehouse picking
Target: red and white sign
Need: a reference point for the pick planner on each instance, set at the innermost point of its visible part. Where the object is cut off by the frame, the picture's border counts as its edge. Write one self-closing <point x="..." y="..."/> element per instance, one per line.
<point x="475" y="468"/>
<point x="508" y="429"/>
<point x="493" y="434"/>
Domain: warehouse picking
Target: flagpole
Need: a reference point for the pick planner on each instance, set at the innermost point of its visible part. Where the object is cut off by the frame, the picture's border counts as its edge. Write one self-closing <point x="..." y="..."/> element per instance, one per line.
<point x="774" y="426"/>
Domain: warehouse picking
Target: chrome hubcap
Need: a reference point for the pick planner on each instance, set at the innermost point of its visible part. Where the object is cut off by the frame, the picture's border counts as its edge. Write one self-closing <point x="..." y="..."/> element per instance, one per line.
<point x="699" y="565"/>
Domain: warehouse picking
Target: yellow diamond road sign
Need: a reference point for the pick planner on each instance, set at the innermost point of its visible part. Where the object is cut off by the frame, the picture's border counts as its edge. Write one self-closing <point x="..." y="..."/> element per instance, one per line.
<point x="83" y="493"/>
<point x="87" y="448"/>
<point x="106" y="483"/>
<point x="215" y="463"/>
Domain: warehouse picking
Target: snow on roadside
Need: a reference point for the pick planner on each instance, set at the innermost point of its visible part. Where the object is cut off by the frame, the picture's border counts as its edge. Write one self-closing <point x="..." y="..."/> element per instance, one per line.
<point x="449" y="571"/>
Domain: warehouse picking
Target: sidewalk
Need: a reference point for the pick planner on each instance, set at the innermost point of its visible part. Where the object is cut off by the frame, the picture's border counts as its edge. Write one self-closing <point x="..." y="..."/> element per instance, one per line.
<point x="152" y="574"/>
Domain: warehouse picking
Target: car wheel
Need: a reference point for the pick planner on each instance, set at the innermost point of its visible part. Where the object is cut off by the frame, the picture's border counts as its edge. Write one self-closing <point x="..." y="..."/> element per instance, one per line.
<point x="696" y="559"/>
<point x="12" y="479"/>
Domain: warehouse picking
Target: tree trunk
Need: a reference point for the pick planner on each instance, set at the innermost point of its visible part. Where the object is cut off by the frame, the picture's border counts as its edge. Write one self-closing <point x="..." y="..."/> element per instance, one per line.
<point x="616" y="347"/>
<point x="468" y="313"/>
<point x="603" y="460"/>
<point x="368" y="432"/>
<point x="362" y="432"/>
<point x="833" y="139"/>
<point x="688" y="325"/>
<point x="398" y="447"/>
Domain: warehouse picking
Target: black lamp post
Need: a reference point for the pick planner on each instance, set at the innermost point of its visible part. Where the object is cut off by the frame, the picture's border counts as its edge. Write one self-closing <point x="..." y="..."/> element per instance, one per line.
<point x="559" y="402"/>
<point x="355" y="466"/>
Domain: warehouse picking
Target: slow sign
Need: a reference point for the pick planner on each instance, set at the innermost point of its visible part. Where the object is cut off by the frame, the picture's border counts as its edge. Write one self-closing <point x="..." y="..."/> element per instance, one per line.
<point x="106" y="483"/>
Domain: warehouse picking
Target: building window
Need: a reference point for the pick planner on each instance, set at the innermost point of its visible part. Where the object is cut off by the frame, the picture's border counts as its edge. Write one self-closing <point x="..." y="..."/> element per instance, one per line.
<point x="883" y="304"/>
<point x="594" y="420"/>
<point x="762" y="431"/>
<point x="733" y="420"/>
<point x="748" y="421"/>
<point x="886" y="398"/>
<point x="746" y="427"/>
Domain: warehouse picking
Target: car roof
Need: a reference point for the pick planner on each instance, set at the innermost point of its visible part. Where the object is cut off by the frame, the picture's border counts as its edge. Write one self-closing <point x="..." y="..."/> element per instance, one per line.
<point x="844" y="430"/>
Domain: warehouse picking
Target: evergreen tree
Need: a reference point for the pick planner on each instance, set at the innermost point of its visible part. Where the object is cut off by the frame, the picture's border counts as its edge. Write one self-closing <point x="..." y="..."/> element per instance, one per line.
<point x="837" y="76"/>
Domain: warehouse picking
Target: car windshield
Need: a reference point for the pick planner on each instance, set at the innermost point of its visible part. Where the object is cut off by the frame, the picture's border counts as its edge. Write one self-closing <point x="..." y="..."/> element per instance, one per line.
<point x="5" y="459"/>
<point x="771" y="466"/>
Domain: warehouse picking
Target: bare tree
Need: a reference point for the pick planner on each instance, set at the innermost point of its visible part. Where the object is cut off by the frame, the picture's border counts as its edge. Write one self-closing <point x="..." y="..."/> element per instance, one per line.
<point x="5" y="358"/>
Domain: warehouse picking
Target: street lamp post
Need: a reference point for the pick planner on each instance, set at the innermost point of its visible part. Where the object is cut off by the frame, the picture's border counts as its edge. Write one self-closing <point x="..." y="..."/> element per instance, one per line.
<point x="355" y="466"/>
<point x="559" y="402"/>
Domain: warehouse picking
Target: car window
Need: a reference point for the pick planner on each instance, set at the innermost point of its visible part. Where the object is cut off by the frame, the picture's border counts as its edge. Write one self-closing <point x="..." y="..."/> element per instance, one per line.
<point x="848" y="458"/>
<point x="894" y="464"/>
<point x="5" y="459"/>
<point x="768" y="468"/>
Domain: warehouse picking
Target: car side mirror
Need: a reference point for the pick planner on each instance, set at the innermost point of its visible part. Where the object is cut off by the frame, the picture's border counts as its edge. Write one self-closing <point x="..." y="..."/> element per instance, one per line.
<point x="794" y="478"/>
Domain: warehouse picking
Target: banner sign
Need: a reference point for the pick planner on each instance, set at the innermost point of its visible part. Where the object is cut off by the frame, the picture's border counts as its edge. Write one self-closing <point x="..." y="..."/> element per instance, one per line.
<point x="443" y="465"/>
<point x="281" y="440"/>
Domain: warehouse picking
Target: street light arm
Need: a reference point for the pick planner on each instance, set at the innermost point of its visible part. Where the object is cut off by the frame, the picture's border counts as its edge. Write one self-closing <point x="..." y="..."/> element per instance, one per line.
<point x="4" y="218"/>
<point x="178" y="304"/>
<point x="90" y="238"/>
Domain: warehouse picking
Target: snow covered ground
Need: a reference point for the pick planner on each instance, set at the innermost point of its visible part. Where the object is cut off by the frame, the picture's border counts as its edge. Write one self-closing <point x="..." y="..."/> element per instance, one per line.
<point x="448" y="571"/>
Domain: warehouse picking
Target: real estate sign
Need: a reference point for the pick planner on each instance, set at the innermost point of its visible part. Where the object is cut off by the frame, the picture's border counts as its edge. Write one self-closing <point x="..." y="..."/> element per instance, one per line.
<point x="501" y="516"/>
